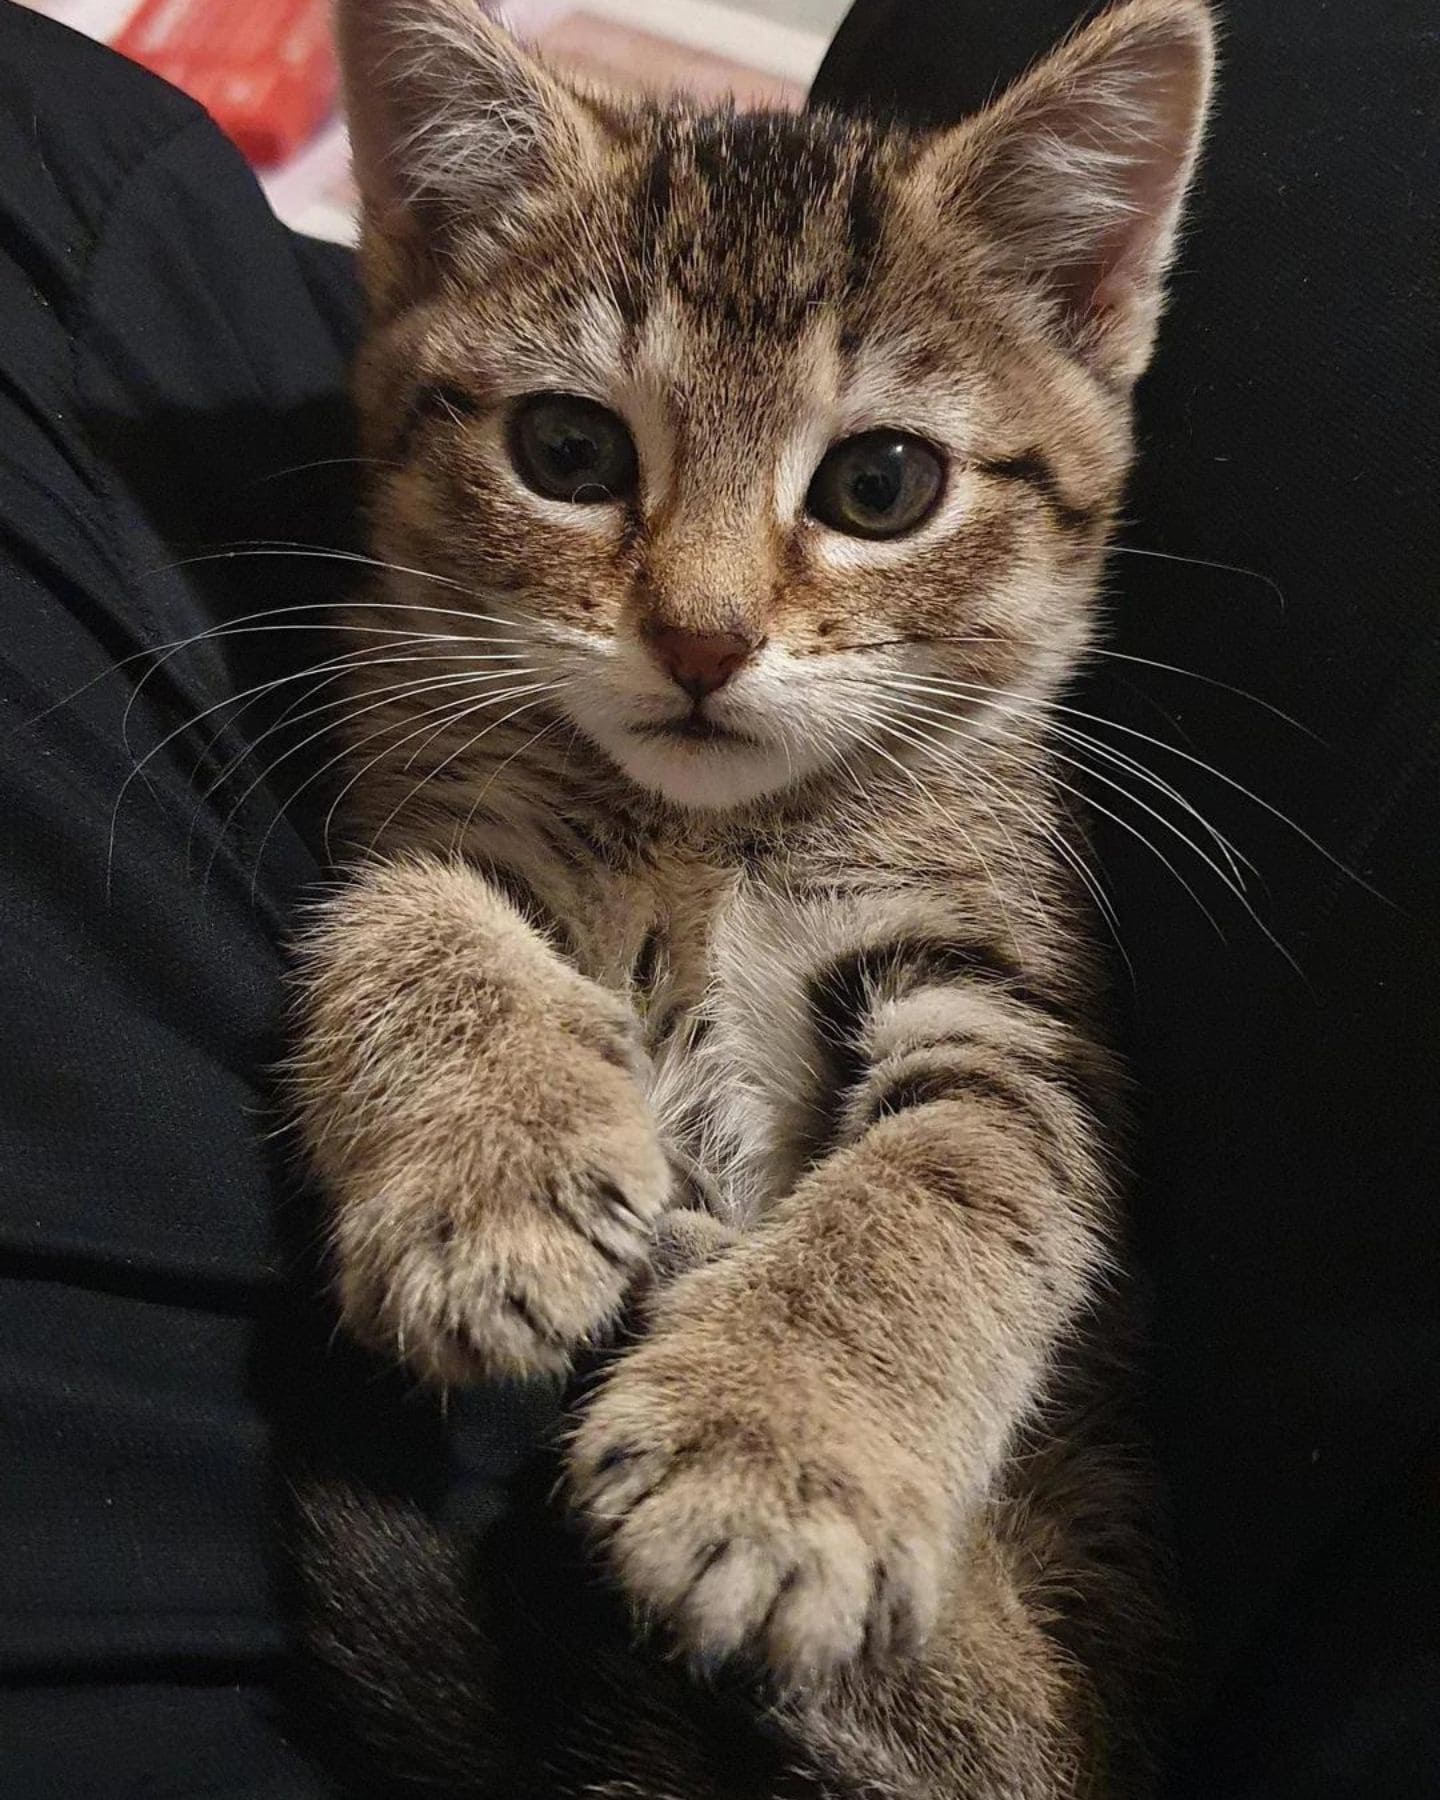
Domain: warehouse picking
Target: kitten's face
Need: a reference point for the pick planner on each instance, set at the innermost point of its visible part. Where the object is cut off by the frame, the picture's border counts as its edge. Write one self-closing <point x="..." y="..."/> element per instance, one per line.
<point x="744" y="428"/>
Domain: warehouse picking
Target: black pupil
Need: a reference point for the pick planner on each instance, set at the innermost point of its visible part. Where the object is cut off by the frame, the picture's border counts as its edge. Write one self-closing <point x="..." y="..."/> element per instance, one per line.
<point x="570" y="450"/>
<point x="876" y="484"/>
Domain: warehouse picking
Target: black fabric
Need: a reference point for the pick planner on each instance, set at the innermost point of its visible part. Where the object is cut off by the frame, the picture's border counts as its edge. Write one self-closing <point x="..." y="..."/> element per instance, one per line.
<point x="167" y="353"/>
<point x="1289" y="1151"/>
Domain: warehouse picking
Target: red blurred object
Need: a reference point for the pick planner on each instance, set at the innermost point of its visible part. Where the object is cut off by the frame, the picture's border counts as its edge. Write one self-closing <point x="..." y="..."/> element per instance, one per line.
<point x="264" y="69"/>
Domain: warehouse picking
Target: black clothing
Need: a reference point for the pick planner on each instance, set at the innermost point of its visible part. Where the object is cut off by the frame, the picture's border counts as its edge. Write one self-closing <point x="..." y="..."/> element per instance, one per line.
<point x="171" y="362"/>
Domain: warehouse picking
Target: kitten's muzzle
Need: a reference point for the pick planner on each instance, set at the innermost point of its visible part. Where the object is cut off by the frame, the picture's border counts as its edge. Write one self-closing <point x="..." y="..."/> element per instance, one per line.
<point x="701" y="662"/>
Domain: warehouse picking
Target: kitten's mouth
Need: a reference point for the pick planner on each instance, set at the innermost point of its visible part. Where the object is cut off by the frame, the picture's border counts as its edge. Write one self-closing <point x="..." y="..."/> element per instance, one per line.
<point x="696" y="728"/>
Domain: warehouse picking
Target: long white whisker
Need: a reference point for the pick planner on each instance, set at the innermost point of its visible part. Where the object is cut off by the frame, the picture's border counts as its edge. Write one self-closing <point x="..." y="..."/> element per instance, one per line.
<point x="172" y="650"/>
<point x="464" y="749"/>
<point x="325" y="462"/>
<point x="1234" y="858"/>
<point x="294" y="750"/>
<point x="1203" y="562"/>
<point x="1126" y="826"/>
<point x="258" y="547"/>
<point x="412" y="686"/>
<point x="1092" y="651"/>
<point x="458" y="706"/>
<point x="463" y="828"/>
<point x="1048" y="830"/>
<point x="1051" y="754"/>
<point x="1225" y="687"/>
<point x="248" y="697"/>
<point x="971" y="689"/>
<point x="895" y="762"/>
<point x="896" y="722"/>
<point x="157" y="655"/>
<point x="1216" y="868"/>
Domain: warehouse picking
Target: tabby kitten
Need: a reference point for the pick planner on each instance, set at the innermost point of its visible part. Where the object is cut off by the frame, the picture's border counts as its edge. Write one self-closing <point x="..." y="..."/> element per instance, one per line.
<point x="743" y="486"/>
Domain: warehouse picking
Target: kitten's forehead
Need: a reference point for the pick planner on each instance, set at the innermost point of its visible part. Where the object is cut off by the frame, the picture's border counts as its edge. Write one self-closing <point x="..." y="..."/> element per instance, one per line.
<point x="752" y="221"/>
<point x="732" y="236"/>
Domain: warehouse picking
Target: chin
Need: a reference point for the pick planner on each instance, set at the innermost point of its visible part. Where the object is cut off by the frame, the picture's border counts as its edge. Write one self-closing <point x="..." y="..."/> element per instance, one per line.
<point x="702" y="777"/>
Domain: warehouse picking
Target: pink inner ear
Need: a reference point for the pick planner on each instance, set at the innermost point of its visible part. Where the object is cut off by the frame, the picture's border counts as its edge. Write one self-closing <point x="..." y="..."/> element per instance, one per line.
<point x="1080" y="169"/>
<point x="1106" y="284"/>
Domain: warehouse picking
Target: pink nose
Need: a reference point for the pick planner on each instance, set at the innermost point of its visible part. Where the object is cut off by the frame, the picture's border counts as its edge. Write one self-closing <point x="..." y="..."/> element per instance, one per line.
<point x="700" y="661"/>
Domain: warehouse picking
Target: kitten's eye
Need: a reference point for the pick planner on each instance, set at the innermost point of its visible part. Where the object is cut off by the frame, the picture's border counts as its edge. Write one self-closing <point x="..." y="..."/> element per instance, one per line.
<point x="572" y="449"/>
<point x="876" y="485"/>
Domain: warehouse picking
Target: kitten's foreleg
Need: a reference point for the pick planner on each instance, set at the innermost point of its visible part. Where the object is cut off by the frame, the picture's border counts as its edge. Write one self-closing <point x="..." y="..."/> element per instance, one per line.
<point x="789" y="1465"/>
<point x="474" y="1109"/>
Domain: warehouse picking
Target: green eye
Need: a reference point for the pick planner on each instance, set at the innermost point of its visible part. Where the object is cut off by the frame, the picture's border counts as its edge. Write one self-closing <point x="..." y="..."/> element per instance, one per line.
<point x="568" y="448"/>
<point x="877" y="485"/>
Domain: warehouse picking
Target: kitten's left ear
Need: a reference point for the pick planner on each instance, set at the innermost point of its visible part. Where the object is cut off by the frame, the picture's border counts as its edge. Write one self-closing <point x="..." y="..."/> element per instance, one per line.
<point x="450" y="118"/>
<point x="1074" y="178"/>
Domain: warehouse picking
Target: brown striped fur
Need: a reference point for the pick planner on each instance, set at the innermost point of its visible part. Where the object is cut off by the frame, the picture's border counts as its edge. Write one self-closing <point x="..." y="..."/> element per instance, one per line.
<point x="826" y="981"/>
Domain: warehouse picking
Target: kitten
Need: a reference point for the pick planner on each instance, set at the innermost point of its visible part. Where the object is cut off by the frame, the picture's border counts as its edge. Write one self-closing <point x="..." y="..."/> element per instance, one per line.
<point x="743" y="484"/>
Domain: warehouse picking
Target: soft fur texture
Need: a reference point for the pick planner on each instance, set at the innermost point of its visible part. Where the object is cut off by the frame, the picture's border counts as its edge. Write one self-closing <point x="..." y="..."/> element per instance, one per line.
<point x="824" y="980"/>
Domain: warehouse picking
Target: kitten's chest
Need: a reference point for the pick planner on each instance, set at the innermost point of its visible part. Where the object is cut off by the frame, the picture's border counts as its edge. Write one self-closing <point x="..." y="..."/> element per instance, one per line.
<point x="717" y="1005"/>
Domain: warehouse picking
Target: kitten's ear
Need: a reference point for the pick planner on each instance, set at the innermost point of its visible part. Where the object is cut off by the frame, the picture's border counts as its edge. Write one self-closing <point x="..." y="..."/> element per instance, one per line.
<point x="1076" y="175"/>
<point x="449" y="117"/>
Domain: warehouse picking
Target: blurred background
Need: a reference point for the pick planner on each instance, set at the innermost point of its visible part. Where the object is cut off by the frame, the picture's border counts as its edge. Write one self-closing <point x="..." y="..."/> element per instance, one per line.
<point x="266" y="69"/>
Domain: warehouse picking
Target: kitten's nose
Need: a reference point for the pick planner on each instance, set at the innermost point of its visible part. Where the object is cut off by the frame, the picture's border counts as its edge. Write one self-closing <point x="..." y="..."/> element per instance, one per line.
<point x="700" y="661"/>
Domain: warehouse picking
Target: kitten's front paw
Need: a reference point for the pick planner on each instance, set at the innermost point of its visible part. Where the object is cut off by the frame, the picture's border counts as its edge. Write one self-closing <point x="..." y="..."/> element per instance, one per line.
<point x="757" y="1503"/>
<point x="506" y="1233"/>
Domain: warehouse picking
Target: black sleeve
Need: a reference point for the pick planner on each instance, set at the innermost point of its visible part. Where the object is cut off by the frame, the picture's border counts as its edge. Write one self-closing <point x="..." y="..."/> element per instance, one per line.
<point x="167" y="351"/>
<point x="1287" y="1205"/>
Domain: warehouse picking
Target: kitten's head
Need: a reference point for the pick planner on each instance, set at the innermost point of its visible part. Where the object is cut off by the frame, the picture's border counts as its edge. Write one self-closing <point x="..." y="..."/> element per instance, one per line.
<point x="747" y="424"/>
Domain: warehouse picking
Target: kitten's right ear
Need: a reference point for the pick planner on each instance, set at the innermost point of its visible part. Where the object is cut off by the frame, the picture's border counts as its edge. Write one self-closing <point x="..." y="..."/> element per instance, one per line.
<point x="449" y="118"/>
<point x="1075" y="176"/>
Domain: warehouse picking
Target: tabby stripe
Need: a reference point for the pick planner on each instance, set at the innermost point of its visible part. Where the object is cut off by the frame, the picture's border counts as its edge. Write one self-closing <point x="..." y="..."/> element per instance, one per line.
<point x="1065" y="1066"/>
<point x="646" y="968"/>
<point x="863" y="215"/>
<point x="1004" y="1215"/>
<point x="929" y="1086"/>
<point x="602" y="847"/>
<point x="435" y="401"/>
<point x="634" y="271"/>
<point x="843" y="994"/>
<point x="1034" y="469"/>
<point x="518" y="891"/>
<point x="523" y="1310"/>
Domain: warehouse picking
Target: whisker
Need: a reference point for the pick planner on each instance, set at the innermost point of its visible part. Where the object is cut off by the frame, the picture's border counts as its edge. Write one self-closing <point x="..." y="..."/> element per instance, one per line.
<point x="971" y="689"/>
<point x="1091" y="651"/>
<point x="897" y="722"/>
<point x="259" y="547"/>
<point x="139" y="687"/>
<point x="1049" y="749"/>
<point x="413" y="687"/>
<point x="275" y="763"/>
<point x="1047" y="830"/>
<point x="464" y="827"/>
<point x="1234" y="857"/>
<point x="160" y="654"/>
<point x="245" y="698"/>
<point x="364" y="657"/>
<point x="931" y="800"/>
<point x="1225" y="687"/>
<point x="324" y="462"/>
<point x="1051" y="754"/>
<point x="451" y="718"/>
<point x="464" y="749"/>
<point x="1126" y="826"/>
<point x="457" y="705"/>
<point x="1204" y="562"/>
